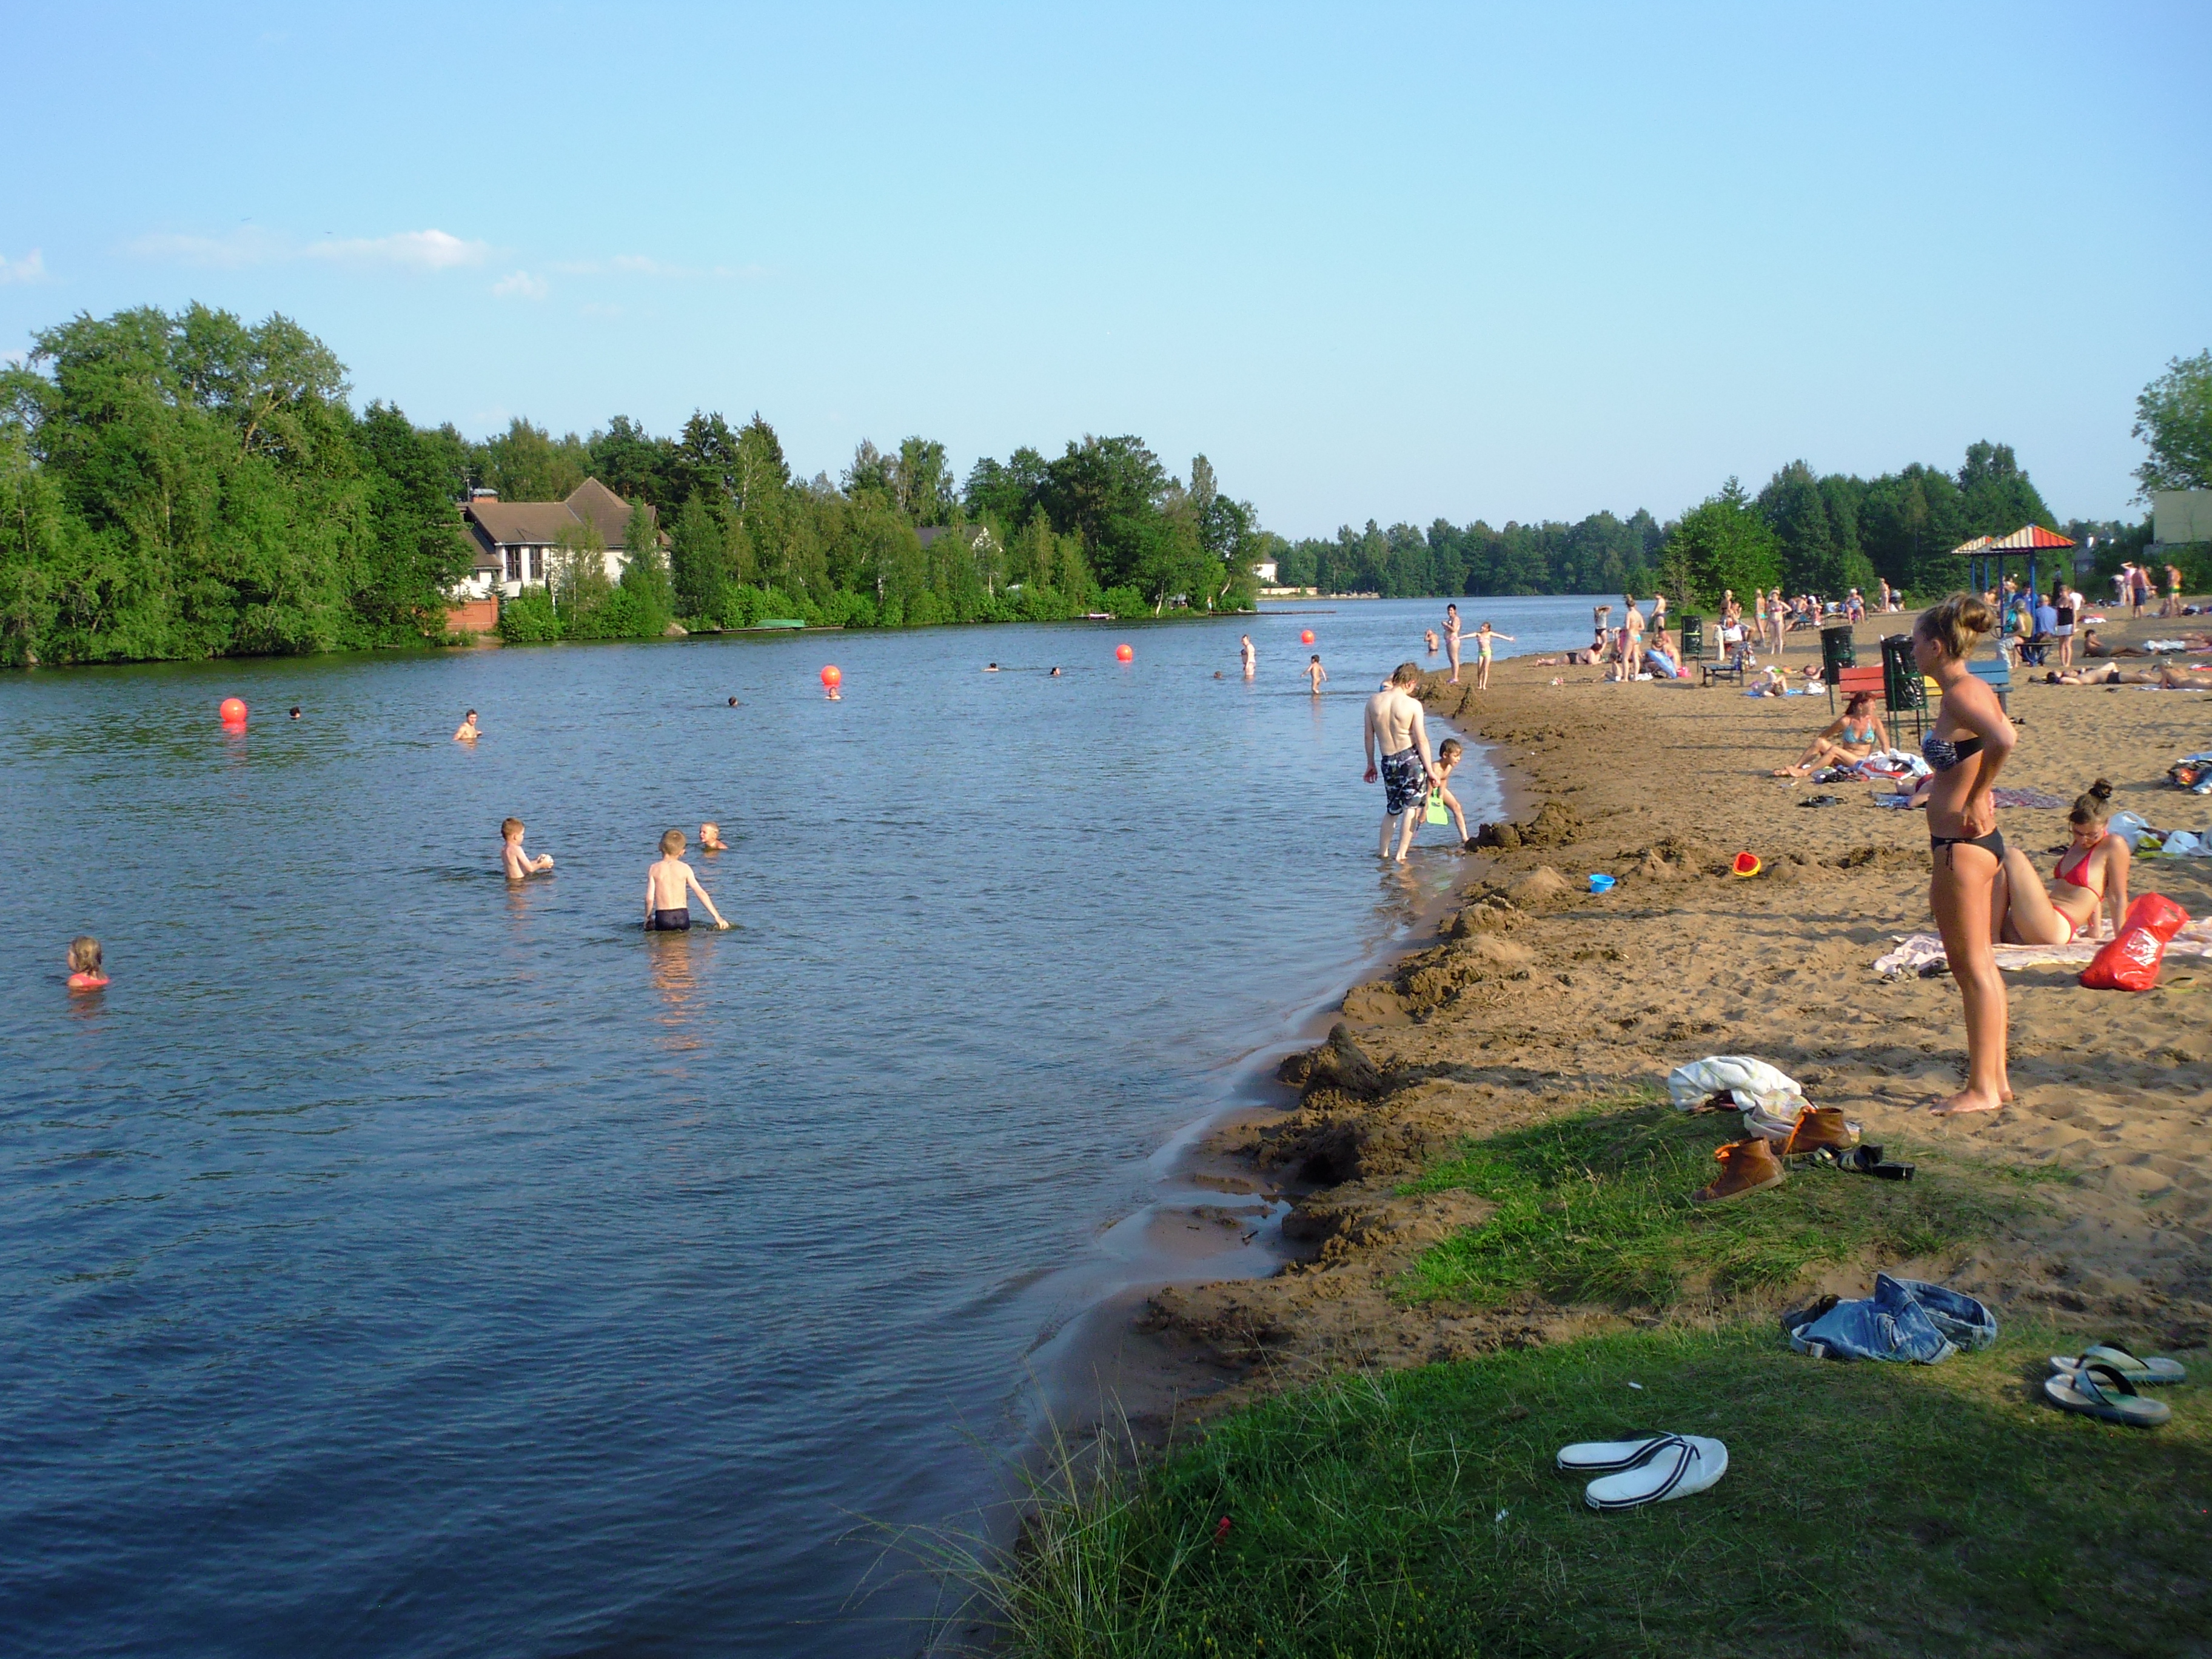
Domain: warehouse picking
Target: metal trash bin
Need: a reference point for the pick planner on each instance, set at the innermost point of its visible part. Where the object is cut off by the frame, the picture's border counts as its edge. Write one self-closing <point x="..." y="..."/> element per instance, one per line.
<point x="1837" y="650"/>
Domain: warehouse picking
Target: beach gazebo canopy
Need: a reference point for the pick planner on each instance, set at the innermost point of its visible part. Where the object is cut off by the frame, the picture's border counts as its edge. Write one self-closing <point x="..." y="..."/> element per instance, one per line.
<point x="1986" y="554"/>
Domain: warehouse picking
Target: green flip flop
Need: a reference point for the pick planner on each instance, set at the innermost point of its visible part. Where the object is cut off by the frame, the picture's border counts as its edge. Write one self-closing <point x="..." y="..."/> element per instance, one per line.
<point x="2095" y="1390"/>
<point x="2155" y="1369"/>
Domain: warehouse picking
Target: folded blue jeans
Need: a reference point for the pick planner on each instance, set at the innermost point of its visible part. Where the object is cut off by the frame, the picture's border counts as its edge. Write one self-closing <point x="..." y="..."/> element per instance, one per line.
<point x="1905" y="1319"/>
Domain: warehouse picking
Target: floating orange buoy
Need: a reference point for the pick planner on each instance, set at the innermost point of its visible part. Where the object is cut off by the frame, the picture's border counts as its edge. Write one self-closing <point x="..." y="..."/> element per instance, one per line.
<point x="1306" y="638"/>
<point x="1746" y="864"/>
<point x="833" y="675"/>
<point x="1122" y="653"/>
<point x="233" y="711"/>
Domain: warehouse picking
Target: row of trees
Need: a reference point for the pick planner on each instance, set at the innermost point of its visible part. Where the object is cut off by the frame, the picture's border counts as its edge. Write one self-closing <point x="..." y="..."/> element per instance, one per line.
<point x="1804" y="532"/>
<point x="189" y="485"/>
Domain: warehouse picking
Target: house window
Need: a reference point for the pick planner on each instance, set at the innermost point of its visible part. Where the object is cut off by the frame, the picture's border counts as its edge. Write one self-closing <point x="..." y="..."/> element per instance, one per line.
<point x="514" y="555"/>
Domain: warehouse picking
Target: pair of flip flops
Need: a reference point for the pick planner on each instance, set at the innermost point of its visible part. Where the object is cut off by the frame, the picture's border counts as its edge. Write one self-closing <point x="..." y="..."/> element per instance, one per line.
<point x="1650" y="1469"/>
<point x="1865" y="1158"/>
<point x="2100" y="1382"/>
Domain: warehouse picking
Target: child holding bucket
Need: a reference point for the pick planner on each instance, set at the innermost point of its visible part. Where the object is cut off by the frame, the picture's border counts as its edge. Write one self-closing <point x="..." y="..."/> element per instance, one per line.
<point x="1448" y="757"/>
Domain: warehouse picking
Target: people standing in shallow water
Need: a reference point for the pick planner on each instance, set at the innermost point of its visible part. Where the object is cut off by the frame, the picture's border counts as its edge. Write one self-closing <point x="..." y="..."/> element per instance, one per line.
<point x="1448" y="753"/>
<point x="668" y="885"/>
<point x="1251" y="656"/>
<point x="1967" y="745"/>
<point x="85" y="972"/>
<point x="519" y="864"/>
<point x="1316" y="673"/>
<point x="1395" y="725"/>
<point x="1428" y="639"/>
<point x="466" y="730"/>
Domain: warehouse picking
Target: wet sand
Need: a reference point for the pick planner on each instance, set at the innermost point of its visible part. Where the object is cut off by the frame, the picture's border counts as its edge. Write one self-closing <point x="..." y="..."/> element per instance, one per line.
<point x="1555" y="999"/>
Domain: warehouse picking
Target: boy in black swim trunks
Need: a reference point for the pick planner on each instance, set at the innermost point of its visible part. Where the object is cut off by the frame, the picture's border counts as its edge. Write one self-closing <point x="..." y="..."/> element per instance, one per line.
<point x="667" y="887"/>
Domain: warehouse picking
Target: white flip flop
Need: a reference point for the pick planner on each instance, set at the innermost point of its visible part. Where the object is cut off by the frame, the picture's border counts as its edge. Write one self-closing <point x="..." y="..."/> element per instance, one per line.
<point x="1605" y="1457"/>
<point x="2156" y="1369"/>
<point x="1680" y="1464"/>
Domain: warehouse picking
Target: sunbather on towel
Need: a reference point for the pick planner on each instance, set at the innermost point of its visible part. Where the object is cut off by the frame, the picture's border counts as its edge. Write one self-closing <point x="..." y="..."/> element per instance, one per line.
<point x="1850" y="738"/>
<point x="2091" y="876"/>
<point x="2167" y="678"/>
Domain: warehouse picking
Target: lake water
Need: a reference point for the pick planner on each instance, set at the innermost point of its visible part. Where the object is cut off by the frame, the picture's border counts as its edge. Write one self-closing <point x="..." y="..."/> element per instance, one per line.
<point x="396" y="1262"/>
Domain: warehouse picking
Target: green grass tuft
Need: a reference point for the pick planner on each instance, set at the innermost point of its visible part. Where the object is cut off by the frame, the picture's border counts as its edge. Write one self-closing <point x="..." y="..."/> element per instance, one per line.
<point x="1596" y="1208"/>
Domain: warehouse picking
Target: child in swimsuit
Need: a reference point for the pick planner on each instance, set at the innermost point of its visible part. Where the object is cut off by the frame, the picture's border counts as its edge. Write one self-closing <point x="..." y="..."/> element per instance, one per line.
<point x="85" y="971"/>
<point x="1484" y="637"/>
<point x="1315" y="672"/>
<point x="668" y="885"/>
<point x="519" y="864"/>
<point x="710" y="839"/>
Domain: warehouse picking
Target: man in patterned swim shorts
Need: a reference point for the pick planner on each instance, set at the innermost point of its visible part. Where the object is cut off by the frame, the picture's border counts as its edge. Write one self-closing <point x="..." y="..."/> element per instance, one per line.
<point x="1395" y="725"/>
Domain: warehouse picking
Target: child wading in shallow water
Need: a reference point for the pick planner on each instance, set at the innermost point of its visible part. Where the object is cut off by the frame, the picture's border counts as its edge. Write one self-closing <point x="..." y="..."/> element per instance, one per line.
<point x="1315" y="672"/>
<point x="1448" y="755"/>
<point x="667" y="884"/>
<point x="519" y="863"/>
<point x="85" y="971"/>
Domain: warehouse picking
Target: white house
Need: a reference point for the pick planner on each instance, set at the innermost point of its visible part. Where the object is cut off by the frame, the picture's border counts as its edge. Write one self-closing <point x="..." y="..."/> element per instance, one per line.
<point x="516" y="541"/>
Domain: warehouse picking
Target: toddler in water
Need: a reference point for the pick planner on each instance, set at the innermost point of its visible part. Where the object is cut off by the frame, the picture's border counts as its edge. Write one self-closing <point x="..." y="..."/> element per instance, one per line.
<point x="85" y="971"/>
<point x="667" y="884"/>
<point x="519" y="863"/>
<point x="1316" y="673"/>
<point x="710" y="839"/>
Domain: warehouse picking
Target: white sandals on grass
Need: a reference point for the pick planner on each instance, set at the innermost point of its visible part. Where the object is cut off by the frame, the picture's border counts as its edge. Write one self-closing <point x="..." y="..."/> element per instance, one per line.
<point x="1649" y="1470"/>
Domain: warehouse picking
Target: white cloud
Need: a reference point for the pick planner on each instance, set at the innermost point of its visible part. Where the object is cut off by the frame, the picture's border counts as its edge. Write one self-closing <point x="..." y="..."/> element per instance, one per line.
<point x="31" y="268"/>
<point x="521" y="285"/>
<point x="425" y="250"/>
<point x="250" y="244"/>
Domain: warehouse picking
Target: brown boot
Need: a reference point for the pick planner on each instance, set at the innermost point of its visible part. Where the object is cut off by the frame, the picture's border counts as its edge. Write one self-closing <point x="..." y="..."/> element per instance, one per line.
<point x="1746" y="1166"/>
<point x="1820" y="1128"/>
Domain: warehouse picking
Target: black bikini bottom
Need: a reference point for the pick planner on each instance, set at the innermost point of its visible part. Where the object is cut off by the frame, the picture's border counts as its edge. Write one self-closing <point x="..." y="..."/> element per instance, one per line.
<point x="1992" y="843"/>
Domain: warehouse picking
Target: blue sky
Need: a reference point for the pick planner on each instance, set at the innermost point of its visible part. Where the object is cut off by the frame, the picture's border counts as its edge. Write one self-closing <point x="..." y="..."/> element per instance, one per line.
<point x="1394" y="262"/>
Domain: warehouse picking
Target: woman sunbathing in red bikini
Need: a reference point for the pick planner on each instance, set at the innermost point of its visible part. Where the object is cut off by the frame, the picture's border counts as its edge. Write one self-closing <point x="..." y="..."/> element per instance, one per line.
<point x="2091" y="874"/>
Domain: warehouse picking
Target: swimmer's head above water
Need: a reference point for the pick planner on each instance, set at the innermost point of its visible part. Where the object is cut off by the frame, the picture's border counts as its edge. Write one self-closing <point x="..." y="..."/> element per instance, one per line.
<point x="85" y="971"/>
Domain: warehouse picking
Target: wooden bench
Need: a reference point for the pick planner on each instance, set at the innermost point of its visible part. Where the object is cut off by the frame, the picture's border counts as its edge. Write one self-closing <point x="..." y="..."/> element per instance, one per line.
<point x="1851" y="681"/>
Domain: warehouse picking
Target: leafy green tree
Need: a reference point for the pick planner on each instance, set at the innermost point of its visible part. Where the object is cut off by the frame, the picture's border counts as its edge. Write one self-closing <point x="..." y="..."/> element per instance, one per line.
<point x="1995" y="494"/>
<point x="525" y="464"/>
<point x="1725" y="544"/>
<point x="647" y="595"/>
<point x="698" y="570"/>
<point x="2173" y="419"/>
<point x="414" y="550"/>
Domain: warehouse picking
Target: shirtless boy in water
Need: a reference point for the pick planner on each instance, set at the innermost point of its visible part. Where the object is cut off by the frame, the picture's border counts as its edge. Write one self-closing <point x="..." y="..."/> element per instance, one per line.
<point x="667" y="884"/>
<point x="519" y="864"/>
<point x="1315" y="672"/>
<point x="1394" y="723"/>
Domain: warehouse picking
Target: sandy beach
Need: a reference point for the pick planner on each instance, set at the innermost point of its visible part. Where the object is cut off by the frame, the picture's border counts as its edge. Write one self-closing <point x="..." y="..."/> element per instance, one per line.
<point x="1538" y="997"/>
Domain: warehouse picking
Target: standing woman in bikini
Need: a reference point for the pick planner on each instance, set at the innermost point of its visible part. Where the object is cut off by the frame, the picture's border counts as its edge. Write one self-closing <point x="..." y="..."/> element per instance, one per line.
<point x="1451" y="639"/>
<point x="1967" y="745"/>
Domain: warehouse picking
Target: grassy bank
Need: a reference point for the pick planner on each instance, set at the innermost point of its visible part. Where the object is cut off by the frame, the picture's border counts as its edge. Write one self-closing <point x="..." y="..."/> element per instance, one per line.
<point x="1868" y="1507"/>
<point x="1596" y="1207"/>
<point x="1888" y="1508"/>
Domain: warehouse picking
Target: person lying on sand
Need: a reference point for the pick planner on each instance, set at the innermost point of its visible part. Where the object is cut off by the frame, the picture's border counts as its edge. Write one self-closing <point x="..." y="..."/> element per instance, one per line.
<point x="2091" y="876"/>
<point x="1856" y="733"/>
<point x="2167" y="678"/>
<point x="1770" y="682"/>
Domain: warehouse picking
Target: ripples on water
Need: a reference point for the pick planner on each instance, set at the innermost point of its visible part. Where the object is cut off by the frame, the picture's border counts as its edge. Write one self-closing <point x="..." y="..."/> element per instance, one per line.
<point x="396" y="1262"/>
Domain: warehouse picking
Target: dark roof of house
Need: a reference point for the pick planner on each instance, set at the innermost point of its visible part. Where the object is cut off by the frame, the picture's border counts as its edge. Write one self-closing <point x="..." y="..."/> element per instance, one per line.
<point x="546" y="522"/>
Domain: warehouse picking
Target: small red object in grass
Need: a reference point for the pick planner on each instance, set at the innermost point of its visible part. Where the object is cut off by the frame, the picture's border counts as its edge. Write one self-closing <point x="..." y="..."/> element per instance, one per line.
<point x="1221" y="1531"/>
<point x="1306" y="637"/>
<point x="1746" y="864"/>
<point x="833" y="675"/>
<point x="233" y="711"/>
<point x="1122" y="653"/>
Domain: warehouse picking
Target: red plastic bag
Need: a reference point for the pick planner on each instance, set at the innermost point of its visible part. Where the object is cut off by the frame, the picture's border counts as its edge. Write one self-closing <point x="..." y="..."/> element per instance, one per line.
<point x="2130" y="962"/>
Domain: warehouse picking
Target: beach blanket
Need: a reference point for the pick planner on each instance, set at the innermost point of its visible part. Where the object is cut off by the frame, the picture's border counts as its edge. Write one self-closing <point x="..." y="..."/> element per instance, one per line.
<point x="2040" y="800"/>
<point x="1917" y="952"/>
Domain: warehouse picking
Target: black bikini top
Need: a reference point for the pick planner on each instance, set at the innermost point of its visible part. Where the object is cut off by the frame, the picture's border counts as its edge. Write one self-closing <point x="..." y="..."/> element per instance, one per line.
<point x="1943" y="753"/>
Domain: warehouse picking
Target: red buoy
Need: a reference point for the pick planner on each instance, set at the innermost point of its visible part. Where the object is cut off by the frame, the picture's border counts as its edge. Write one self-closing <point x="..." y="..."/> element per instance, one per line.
<point x="1306" y="638"/>
<point x="233" y="710"/>
<point x="1122" y="653"/>
<point x="833" y="675"/>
